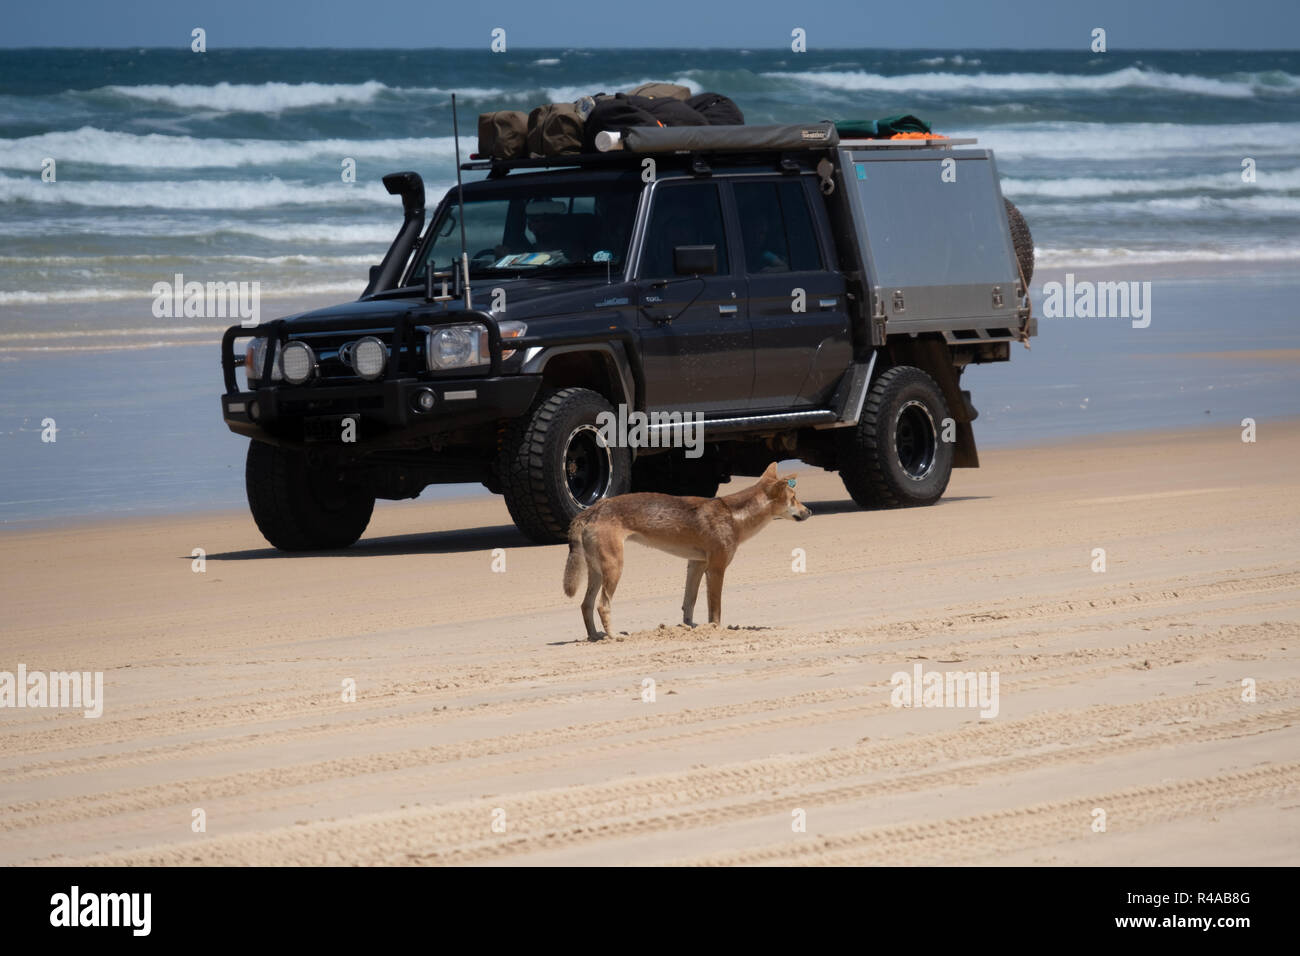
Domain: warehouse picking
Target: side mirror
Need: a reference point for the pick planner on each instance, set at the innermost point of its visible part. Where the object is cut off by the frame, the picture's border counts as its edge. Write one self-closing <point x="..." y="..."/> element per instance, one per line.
<point x="695" y="260"/>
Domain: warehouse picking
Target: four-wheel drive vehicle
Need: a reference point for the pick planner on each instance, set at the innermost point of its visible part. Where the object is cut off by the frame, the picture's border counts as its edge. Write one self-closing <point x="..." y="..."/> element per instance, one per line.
<point x="810" y="297"/>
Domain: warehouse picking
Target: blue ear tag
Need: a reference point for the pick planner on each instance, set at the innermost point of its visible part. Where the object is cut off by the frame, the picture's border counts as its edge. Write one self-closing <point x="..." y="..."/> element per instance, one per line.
<point x="790" y="482"/>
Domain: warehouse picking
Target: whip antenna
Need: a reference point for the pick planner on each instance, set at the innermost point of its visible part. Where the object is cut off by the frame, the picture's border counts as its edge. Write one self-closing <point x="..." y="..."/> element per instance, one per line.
<point x="460" y="200"/>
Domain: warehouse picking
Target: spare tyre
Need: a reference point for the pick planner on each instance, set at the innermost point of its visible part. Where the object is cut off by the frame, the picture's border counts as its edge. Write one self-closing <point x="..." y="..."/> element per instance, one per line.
<point x="1022" y="240"/>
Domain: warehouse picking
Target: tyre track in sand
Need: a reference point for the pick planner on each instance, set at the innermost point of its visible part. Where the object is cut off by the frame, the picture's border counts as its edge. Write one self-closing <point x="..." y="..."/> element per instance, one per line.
<point x="983" y="838"/>
<point x="284" y="701"/>
<point x="713" y="796"/>
<point x="1057" y="668"/>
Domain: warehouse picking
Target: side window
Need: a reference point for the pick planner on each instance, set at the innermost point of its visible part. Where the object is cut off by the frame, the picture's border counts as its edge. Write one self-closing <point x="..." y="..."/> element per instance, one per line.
<point x="805" y="256"/>
<point x="777" y="227"/>
<point x="689" y="215"/>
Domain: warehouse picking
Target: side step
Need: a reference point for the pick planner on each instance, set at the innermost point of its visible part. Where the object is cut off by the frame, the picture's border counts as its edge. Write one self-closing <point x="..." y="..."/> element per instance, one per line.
<point x="845" y="411"/>
<point x="713" y="427"/>
<point x="847" y="408"/>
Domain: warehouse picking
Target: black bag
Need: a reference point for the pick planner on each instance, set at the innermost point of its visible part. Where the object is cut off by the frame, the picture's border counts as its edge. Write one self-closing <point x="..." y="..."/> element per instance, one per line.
<point x="503" y="134"/>
<point x="614" y="114"/>
<point x="554" y="130"/>
<point x="673" y="113"/>
<point x="717" y="110"/>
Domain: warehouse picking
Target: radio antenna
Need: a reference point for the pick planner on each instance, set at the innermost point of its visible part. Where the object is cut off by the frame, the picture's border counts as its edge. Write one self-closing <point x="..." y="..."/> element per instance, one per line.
<point x="460" y="200"/>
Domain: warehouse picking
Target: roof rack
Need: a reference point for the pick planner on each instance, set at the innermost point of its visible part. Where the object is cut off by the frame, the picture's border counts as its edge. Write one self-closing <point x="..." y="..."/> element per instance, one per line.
<point x="693" y="151"/>
<point x="546" y="162"/>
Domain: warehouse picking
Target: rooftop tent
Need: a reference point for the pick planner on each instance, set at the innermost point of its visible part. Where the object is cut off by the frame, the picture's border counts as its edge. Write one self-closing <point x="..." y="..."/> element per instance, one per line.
<point x="653" y="139"/>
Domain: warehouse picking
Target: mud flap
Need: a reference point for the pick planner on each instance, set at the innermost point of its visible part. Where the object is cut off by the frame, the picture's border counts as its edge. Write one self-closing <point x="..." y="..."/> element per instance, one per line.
<point x="964" y="454"/>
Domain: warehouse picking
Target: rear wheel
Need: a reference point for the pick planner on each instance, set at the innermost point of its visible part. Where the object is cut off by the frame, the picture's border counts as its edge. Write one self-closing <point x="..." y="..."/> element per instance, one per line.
<point x="896" y="455"/>
<point x="553" y="464"/>
<point x="301" y="507"/>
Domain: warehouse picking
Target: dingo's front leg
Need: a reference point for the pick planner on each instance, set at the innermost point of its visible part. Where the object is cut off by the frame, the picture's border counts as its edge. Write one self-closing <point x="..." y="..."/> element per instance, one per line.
<point x="694" y="572"/>
<point x="714" y="572"/>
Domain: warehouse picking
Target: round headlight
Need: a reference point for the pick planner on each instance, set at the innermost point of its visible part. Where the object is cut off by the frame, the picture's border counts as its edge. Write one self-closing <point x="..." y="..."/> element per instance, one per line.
<point x="297" y="362"/>
<point x="453" y="348"/>
<point x="369" y="356"/>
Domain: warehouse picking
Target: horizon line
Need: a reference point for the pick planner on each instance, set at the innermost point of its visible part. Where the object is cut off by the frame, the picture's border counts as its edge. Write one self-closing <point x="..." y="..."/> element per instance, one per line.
<point x="670" y="49"/>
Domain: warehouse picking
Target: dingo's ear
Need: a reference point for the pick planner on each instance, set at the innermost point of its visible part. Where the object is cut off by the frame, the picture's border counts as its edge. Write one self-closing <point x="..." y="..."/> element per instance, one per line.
<point x="770" y="474"/>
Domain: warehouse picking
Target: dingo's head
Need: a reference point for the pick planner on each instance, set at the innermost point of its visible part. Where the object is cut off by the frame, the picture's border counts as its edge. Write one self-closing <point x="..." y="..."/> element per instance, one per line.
<point x="780" y="492"/>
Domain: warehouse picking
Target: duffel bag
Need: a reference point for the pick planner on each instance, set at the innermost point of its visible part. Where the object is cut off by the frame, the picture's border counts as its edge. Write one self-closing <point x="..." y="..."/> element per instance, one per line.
<point x="554" y="130"/>
<point x="503" y="134"/>
<point x="661" y="91"/>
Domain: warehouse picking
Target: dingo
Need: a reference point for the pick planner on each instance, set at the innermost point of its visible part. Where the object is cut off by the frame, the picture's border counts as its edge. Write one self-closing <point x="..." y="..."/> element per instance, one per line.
<point x="704" y="531"/>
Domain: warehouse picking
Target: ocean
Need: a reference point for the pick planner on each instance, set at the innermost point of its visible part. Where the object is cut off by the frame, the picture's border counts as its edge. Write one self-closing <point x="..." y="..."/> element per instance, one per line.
<point x="228" y="165"/>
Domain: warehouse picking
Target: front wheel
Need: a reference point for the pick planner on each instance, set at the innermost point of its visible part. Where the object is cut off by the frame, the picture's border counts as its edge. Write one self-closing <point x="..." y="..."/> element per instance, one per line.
<point x="301" y="507"/>
<point x="896" y="456"/>
<point x="554" y="464"/>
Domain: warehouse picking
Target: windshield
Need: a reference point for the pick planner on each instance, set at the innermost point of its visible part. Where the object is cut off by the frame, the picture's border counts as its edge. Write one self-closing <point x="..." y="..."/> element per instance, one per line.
<point x="579" y="227"/>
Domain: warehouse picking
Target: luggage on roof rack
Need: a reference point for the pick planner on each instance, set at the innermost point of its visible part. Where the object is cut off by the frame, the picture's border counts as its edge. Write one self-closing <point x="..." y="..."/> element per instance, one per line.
<point x="503" y="134"/>
<point x="662" y="91"/>
<point x="560" y="129"/>
<point x="554" y="130"/>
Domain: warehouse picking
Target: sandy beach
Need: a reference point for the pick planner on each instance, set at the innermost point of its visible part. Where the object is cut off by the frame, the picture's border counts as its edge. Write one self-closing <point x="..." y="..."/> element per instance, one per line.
<point x="485" y="730"/>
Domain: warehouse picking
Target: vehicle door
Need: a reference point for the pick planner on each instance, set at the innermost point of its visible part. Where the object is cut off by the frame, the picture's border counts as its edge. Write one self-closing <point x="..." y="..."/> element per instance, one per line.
<point x="797" y="307"/>
<point x="696" y="348"/>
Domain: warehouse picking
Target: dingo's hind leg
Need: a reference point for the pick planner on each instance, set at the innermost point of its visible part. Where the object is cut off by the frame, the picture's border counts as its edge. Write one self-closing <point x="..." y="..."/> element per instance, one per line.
<point x="694" y="573"/>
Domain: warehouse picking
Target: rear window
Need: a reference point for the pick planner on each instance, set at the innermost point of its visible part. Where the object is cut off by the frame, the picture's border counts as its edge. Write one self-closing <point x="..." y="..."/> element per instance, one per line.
<point x="777" y="227"/>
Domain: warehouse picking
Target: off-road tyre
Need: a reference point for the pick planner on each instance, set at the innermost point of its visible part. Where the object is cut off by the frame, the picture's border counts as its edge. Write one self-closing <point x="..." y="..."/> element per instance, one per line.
<point x="551" y="468"/>
<point x="896" y="457"/>
<point x="1022" y="240"/>
<point x="301" y="508"/>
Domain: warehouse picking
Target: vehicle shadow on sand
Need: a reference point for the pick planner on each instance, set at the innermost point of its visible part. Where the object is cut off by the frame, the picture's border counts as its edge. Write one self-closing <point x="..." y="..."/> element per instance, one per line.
<point x="848" y="506"/>
<point x="461" y="540"/>
<point x="465" y="540"/>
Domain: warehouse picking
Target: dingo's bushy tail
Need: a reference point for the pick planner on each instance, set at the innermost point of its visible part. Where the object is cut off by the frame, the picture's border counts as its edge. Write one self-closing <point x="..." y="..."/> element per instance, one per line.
<point x="577" y="562"/>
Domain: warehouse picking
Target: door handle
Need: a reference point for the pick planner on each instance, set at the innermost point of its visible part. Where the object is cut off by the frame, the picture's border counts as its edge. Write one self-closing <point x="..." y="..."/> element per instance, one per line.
<point x="726" y="310"/>
<point x="828" y="303"/>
